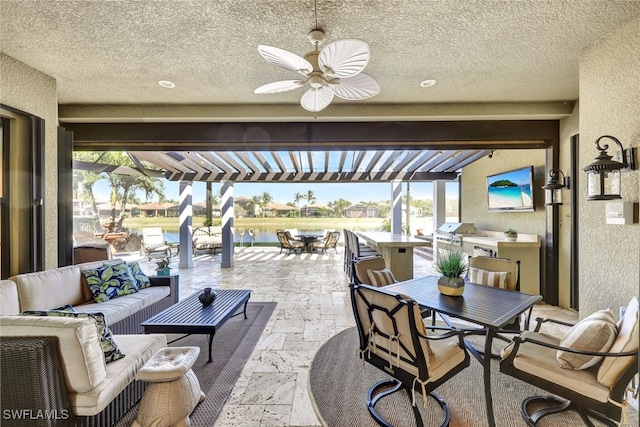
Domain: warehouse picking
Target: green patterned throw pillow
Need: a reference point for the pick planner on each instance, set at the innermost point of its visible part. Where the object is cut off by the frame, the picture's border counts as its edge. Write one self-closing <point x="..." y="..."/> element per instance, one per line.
<point x="110" y="281"/>
<point x="110" y="348"/>
<point x="142" y="280"/>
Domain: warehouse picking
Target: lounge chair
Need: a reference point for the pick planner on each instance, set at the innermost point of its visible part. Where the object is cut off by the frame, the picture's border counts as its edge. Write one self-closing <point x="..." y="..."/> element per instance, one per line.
<point x="287" y="242"/>
<point x="329" y="241"/>
<point x="207" y="238"/>
<point x="153" y="241"/>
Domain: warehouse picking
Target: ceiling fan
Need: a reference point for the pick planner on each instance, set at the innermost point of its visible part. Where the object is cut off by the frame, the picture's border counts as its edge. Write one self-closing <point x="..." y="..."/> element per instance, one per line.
<point x="336" y="69"/>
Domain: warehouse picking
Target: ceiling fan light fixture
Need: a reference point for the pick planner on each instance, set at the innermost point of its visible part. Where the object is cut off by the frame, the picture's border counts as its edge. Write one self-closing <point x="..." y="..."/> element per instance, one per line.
<point x="336" y="69"/>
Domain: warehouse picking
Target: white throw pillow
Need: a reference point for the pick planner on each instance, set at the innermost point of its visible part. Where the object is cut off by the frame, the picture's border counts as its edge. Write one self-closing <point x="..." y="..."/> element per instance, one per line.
<point x="596" y="332"/>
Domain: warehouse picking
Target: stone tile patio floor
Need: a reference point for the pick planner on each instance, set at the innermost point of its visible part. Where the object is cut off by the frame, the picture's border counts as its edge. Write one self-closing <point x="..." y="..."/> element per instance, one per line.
<point x="313" y="305"/>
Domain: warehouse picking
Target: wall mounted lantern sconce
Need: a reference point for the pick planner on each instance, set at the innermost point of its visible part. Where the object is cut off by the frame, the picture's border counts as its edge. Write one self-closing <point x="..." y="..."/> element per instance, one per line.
<point x="604" y="173"/>
<point x="554" y="186"/>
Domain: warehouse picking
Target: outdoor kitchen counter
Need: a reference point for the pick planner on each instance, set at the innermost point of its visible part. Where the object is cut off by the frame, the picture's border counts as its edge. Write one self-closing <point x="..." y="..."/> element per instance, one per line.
<point x="496" y="239"/>
<point x="396" y="249"/>
<point x="526" y="249"/>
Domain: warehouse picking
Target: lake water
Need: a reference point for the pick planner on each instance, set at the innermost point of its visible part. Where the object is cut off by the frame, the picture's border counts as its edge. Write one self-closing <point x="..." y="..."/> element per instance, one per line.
<point x="269" y="235"/>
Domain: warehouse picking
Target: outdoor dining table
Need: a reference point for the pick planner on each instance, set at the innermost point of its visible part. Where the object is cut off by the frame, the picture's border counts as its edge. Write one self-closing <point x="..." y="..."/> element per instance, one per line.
<point x="308" y="240"/>
<point x="490" y="308"/>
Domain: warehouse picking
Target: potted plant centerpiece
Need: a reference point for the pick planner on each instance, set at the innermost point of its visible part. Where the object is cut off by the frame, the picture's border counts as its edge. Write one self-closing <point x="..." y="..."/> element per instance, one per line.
<point x="511" y="235"/>
<point x="163" y="268"/>
<point x="451" y="265"/>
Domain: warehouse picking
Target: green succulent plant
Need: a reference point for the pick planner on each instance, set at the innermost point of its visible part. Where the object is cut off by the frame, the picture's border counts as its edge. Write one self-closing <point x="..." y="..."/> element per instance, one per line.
<point x="162" y="263"/>
<point x="511" y="232"/>
<point x="451" y="263"/>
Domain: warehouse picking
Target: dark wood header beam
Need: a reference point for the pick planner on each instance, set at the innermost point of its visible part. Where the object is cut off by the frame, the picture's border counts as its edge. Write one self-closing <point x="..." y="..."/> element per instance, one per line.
<point x="314" y="136"/>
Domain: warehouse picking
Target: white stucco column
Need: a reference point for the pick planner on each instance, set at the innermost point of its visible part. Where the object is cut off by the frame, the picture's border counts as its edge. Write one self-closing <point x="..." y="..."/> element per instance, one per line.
<point x="439" y="204"/>
<point x="227" y="223"/>
<point x="396" y="207"/>
<point x="186" y="218"/>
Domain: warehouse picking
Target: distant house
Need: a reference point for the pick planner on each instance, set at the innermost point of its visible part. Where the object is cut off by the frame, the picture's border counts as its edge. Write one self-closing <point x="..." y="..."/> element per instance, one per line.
<point x="155" y="209"/>
<point x="359" y="210"/>
<point x="200" y="209"/>
<point x="274" y="209"/>
<point x="311" y="210"/>
<point x="246" y="206"/>
<point x="105" y="210"/>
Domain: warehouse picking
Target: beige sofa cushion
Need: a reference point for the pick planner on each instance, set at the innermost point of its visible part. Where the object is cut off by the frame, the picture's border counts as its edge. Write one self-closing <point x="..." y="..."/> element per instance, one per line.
<point x="117" y="309"/>
<point x="120" y="373"/>
<point x="83" y="363"/>
<point x="9" y="299"/>
<point x="49" y="289"/>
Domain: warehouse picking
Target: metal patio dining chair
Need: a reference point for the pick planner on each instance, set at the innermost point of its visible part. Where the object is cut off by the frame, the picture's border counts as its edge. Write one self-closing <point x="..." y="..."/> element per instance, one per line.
<point x="287" y="242"/>
<point x="576" y="371"/>
<point x="394" y="340"/>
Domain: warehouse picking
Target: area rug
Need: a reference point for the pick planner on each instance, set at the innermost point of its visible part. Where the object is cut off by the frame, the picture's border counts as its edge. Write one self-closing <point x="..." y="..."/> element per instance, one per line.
<point x="338" y="384"/>
<point x="232" y="346"/>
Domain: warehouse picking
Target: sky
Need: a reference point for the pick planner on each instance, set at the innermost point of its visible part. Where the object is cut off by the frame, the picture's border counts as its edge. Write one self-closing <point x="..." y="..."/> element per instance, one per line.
<point x="284" y="192"/>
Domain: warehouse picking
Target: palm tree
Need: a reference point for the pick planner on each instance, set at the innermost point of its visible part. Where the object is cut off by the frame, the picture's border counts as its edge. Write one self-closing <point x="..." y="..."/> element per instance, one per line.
<point x="256" y="201"/>
<point x="340" y="205"/>
<point x="310" y="199"/>
<point x="297" y="197"/>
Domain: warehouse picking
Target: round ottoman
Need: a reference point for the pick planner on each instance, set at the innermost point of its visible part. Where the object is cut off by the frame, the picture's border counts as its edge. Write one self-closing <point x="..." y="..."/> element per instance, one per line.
<point x="174" y="390"/>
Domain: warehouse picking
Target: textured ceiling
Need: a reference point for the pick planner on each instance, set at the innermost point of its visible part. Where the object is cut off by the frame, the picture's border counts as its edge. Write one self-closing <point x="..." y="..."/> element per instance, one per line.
<point x="486" y="51"/>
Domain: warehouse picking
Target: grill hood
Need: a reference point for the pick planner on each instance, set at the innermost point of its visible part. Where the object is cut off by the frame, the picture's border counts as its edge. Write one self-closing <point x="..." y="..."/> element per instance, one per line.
<point x="457" y="228"/>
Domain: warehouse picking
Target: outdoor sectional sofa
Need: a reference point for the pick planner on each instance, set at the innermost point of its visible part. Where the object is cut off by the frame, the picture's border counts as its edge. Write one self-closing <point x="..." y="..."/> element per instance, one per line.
<point x="57" y="364"/>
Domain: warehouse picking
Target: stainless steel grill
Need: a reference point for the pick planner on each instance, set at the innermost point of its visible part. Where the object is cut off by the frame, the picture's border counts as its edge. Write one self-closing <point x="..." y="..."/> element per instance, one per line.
<point x="452" y="232"/>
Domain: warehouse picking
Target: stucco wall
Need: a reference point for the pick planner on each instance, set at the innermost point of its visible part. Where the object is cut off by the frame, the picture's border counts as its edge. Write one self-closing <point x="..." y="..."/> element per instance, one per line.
<point x="474" y="192"/>
<point x="609" y="104"/>
<point x="31" y="91"/>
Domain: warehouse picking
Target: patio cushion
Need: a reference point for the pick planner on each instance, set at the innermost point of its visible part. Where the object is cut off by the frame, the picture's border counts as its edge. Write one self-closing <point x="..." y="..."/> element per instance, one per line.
<point x="110" y="281"/>
<point x="119" y="374"/>
<point x="540" y="361"/>
<point x="9" y="299"/>
<point x="141" y="279"/>
<point x="627" y="340"/>
<point x="595" y="332"/>
<point x="110" y="348"/>
<point x="497" y="279"/>
<point x="82" y="362"/>
<point x="118" y="309"/>
<point x="382" y="277"/>
<point x="43" y="290"/>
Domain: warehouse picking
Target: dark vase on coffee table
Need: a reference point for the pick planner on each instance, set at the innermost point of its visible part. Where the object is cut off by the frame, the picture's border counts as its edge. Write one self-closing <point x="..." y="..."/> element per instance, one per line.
<point x="207" y="297"/>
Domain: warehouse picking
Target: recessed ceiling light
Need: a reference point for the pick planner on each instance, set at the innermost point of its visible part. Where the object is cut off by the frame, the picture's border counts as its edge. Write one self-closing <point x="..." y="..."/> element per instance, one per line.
<point x="428" y="83"/>
<point x="167" y="84"/>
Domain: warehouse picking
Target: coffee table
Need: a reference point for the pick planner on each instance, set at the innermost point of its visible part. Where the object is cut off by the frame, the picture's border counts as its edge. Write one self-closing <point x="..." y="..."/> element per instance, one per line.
<point x="189" y="317"/>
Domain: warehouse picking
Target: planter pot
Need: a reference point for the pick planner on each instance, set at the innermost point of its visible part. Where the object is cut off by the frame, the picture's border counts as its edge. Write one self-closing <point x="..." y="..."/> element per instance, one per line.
<point x="163" y="272"/>
<point x="510" y="238"/>
<point x="451" y="286"/>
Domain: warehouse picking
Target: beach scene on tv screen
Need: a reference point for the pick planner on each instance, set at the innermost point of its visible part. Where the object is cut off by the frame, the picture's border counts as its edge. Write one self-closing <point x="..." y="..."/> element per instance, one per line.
<point x="510" y="190"/>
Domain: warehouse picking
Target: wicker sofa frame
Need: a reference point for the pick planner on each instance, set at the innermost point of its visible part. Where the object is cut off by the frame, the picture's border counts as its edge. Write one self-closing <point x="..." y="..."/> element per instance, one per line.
<point x="36" y="381"/>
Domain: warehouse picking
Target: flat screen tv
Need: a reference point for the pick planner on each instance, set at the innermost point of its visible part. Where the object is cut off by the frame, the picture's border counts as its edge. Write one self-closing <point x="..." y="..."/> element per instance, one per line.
<point x="511" y="191"/>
